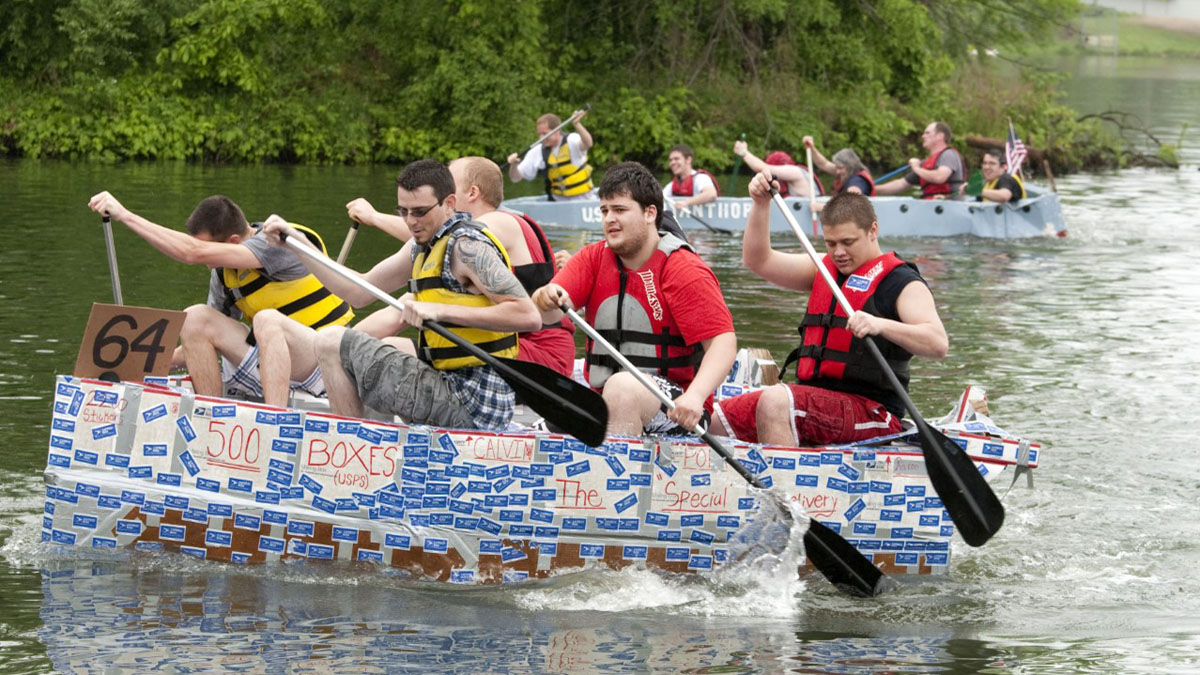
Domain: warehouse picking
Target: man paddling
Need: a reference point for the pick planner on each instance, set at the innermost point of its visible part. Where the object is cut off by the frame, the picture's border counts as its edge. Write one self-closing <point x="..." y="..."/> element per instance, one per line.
<point x="940" y="174"/>
<point x="562" y="156"/>
<point x="843" y="394"/>
<point x="999" y="185"/>
<point x="458" y="274"/>
<point x="479" y="189"/>
<point x="655" y="300"/>
<point x="250" y="279"/>
<point x="793" y="178"/>
<point x="689" y="186"/>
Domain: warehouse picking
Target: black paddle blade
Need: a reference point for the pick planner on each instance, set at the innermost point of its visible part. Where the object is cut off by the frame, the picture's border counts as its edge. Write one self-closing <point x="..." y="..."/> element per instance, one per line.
<point x="561" y="401"/>
<point x="965" y="493"/>
<point x="842" y="564"/>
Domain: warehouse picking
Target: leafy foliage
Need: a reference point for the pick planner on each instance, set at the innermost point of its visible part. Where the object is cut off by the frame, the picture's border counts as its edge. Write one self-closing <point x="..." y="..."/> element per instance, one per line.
<point x="373" y="80"/>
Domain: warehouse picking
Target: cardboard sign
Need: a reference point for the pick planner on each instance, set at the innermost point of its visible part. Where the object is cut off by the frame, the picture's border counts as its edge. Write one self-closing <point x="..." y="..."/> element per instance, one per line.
<point x="128" y="343"/>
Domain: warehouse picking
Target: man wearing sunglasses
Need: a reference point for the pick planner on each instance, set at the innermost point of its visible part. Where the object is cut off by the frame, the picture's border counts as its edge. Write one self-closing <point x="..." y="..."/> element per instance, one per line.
<point x="458" y="274"/>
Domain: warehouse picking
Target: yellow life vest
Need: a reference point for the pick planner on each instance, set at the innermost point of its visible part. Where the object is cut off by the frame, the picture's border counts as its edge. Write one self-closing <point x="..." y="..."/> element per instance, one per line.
<point x="566" y="179"/>
<point x="305" y="299"/>
<point x="991" y="185"/>
<point x="427" y="285"/>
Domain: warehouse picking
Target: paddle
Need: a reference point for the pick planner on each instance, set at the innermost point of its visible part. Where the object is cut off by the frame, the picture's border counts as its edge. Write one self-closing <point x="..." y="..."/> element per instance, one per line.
<point x="963" y="491"/>
<point x="341" y="259"/>
<point x="688" y="212"/>
<point x="563" y="402"/>
<point x="112" y="261"/>
<point x="842" y="564"/>
<point x="891" y="174"/>
<point x="586" y="108"/>
<point x="737" y="167"/>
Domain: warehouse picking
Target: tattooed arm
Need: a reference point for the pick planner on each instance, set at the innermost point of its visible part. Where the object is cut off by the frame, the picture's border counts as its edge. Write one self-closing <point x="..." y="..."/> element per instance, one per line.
<point x="480" y="269"/>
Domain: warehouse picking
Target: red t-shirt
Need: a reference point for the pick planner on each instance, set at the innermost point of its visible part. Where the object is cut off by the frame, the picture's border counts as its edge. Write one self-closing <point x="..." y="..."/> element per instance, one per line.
<point x="688" y="290"/>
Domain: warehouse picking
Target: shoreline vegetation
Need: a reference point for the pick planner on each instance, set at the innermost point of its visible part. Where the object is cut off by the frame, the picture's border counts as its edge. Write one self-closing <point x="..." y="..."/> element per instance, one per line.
<point x="359" y="81"/>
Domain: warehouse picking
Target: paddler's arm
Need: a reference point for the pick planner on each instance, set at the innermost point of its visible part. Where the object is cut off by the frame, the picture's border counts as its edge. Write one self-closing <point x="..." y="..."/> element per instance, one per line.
<point x="919" y="331"/>
<point x="179" y="246"/>
<point x="788" y="270"/>
<point x="479" y="265"/>
<point x="819" y="160"/>
<point x="938" y="174"/>
<point x="585" y="136"/>
<point x="719" y="353"/>
<point x="547" y="300"/>
<point x="389" y="274"/>
<point x="360" y="211"/>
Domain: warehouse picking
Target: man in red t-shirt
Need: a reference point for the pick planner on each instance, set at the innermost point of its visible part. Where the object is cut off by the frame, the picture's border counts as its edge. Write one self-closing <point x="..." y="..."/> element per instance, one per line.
<point x="655" y="300"/>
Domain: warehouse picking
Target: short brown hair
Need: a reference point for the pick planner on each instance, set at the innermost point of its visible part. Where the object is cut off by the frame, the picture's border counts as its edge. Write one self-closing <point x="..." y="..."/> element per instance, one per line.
<point x="485" y="175"/>
<point x="943" y="129"/>
<point x="848" y="207"/>
<point x="218" y="217"/>
<point x="683" y="149"/>
<point x="550" y="119"/>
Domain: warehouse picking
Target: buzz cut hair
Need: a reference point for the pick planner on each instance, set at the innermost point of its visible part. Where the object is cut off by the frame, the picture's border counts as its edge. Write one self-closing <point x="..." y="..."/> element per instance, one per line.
<point x="218" y="217"/>
<point x="848" y="207"/>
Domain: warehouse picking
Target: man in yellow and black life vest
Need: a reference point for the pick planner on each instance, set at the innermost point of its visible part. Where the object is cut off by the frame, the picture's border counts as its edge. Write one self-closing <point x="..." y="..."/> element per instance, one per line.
<point x="940" y="174"/>
<point x="248" y="277"/>
<point x="655" y="300"/>
<point x="563" y="157"/>
<point x="458" y="274"/>
<point x="998" y="184"/>
<point x="689" y="186"/>
<point x="842" y="394"/>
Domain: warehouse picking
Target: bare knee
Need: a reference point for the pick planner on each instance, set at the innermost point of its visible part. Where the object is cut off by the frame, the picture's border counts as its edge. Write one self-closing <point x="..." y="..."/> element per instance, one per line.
<point x="199" y="323"/>
<point x="268" y="323"/>
<point x="328" y="344"/>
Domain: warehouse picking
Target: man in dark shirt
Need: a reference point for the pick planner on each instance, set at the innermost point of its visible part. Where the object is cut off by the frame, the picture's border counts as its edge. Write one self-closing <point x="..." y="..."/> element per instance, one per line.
<point x="999" y="185"/>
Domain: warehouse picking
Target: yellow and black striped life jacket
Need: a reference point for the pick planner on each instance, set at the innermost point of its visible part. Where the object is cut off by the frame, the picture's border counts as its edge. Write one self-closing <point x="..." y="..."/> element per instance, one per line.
<point x="564" y="178"/>
<point x="428" y="285"/>
<point x="304" y="299"/>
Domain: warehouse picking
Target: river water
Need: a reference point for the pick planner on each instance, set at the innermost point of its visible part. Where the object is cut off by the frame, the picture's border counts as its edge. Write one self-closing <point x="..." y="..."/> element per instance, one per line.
<point x="1083" y="343"/>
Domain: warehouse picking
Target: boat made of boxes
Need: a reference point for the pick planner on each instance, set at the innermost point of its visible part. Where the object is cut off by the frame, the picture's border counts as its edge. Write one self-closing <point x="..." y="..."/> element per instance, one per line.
<point x="156" y="468"/>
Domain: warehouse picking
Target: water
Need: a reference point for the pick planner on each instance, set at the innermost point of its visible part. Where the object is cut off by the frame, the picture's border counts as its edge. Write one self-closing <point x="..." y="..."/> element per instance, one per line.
<point x="1084" y="343"/>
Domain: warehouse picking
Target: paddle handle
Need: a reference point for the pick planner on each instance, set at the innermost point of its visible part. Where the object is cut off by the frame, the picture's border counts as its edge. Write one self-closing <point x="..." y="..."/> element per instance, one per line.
<point x="812" y="189"/>
<point x="348" y="243"/>
<point x="587" y="107"/>
<point x="112" y="261"/>
<point x="504" y="369"/>
<point x="892" y="174"/>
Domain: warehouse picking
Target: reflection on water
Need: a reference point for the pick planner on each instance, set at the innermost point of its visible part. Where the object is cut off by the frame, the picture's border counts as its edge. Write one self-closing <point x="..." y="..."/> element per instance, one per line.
<point x="139" y="618"/>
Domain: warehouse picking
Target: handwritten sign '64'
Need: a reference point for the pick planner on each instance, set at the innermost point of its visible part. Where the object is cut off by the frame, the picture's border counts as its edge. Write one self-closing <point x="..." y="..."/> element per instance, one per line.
<point x="128" y="343"/>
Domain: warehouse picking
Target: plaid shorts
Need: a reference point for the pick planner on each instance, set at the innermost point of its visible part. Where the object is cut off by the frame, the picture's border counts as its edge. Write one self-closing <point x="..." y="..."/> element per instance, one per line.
<point x="244" y="381"/>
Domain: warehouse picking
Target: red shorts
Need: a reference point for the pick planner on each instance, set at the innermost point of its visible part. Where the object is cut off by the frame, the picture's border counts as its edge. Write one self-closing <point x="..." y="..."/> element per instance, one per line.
<point x="550" y="347"/>
<point x="819" y="416"/>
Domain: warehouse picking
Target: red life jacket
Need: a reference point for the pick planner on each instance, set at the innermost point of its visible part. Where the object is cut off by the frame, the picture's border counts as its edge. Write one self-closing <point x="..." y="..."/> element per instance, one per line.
<point x="683" y="188"/>
<point x="627" y="309"/>
<point x="865" y="175"/>
<point x="829" y="354"/>
<point x="540" y="271"/>
<point x="781" y="158"/>
<point x="931" y="190"/>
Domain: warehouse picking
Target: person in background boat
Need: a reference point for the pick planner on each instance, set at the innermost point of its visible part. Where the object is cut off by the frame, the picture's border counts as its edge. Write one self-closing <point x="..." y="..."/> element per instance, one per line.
<point x="849" y="172"/>
<point x="250" y="279"/>
<point x="843" y="395"/>
<point x="689" y="186"/>
<point x="792" y="177"/>
<point x="999" y="185"/>
<point x="459" y="275"/>
<point x="940" y="175"/>
<point x="563" y="157"/>
<point x="656" y="300"/>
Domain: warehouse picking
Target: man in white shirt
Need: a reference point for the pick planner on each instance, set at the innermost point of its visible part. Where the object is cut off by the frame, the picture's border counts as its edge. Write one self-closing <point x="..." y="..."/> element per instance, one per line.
<point x="689" y="186"/>
<point x="562" y="156"/>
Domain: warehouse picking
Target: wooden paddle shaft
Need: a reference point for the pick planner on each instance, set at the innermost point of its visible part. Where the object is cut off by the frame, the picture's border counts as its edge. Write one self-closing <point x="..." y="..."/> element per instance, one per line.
<point x="112" y="261"/>
<point x="550" y="133"/>
<point x="341" y="259"/>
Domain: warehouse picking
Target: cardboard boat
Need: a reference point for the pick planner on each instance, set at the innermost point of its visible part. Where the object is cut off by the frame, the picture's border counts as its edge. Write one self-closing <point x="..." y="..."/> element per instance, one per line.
<point x="1040" y="214"/>
<point x="153" y="467"/>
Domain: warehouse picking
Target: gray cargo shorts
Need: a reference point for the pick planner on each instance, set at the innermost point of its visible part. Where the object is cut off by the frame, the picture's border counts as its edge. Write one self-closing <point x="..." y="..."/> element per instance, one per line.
<point x="391" y="381"/>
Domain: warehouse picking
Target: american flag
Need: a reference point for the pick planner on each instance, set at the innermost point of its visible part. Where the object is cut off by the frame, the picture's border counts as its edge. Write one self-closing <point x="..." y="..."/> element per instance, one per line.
<point x="1014" y="150"/>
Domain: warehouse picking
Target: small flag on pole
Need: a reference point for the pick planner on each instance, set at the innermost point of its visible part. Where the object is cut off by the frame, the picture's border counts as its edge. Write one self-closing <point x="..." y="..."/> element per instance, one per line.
<point x="1014" y="150"/>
